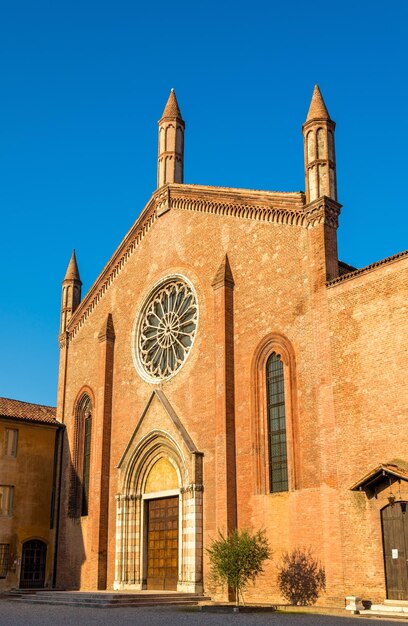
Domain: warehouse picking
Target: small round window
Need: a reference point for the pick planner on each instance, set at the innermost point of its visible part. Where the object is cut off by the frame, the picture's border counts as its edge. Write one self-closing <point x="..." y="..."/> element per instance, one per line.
<point x="166" y="329"/>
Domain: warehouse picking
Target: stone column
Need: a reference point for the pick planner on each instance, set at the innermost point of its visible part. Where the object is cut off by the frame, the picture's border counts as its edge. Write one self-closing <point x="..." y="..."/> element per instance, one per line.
<point x="191" y="570"/>
<point x="134" y="538"/>
<point x="128" y="574"/>
<point x="120" y="540"/>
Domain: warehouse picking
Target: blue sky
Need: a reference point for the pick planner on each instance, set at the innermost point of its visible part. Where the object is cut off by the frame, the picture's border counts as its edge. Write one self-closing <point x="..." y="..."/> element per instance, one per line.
<point x="83" y="84"/>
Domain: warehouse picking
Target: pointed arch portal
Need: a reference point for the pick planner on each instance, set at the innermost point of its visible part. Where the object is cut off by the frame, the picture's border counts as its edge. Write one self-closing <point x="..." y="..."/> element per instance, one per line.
<point x="159" y="509"/>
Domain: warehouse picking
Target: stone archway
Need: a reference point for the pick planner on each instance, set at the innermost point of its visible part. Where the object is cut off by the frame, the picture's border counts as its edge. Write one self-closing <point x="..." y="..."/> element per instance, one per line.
<point x="156" y="468"/>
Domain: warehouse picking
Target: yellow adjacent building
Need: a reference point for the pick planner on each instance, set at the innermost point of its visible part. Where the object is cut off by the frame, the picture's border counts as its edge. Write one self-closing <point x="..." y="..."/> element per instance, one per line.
<point x="30" y="439"/>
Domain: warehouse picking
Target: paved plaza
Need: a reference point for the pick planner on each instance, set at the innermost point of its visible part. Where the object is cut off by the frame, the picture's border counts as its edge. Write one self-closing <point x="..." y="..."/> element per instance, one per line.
<point x="21" y="614"/>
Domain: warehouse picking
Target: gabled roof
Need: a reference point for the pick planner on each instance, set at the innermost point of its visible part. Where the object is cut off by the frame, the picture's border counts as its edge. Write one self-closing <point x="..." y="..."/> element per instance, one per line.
<point x="384" y="472"/>
<point x="28" y="412"/>
<point x="242" y="204"/>
<point x="348" y="274"/>
<point x="174" y="418"/>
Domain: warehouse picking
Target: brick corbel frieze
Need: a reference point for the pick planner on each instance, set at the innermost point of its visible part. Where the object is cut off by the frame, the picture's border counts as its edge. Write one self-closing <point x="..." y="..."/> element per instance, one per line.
<point x="262" y="206"/>
<point x="322" y="211"/>
<point x="114" y="266"/>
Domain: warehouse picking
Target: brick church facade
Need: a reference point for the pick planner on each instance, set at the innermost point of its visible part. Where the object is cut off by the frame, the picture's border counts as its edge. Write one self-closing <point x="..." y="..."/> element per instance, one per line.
<point x="227" y="370"/>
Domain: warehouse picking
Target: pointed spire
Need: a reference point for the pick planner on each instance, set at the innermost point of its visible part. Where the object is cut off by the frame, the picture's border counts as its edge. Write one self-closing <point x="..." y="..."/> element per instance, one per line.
<point x="172" y="108"/>
<point x="170" y="165"/>
<point x="223" y="276"/>
<point x="319" y="151"/>
<point x="71" y="292"/>
<point x="72" y="271"/>
<point x="317" y="109"/>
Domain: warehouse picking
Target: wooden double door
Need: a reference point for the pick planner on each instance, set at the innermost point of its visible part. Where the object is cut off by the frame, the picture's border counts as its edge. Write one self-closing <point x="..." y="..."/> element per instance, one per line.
<point x="162" y="543"/>
<point x="394" y="520"/>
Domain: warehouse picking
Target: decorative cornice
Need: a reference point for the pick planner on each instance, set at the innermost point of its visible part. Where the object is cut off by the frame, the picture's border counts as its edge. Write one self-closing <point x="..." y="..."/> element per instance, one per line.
<point x="322" y="211"/>
<point x="114" y="266"/>
<point x="367" y="269"/>
<point x="263" y="206"/>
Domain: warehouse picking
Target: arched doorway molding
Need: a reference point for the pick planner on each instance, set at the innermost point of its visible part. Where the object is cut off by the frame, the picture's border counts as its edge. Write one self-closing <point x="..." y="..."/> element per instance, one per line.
<point x="155" y="445"/>
<point x="134" y="467"/>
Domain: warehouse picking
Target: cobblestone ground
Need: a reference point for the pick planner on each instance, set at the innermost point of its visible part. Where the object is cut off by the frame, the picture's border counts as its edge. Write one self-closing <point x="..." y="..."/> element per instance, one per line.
<point x="15" y="614"/>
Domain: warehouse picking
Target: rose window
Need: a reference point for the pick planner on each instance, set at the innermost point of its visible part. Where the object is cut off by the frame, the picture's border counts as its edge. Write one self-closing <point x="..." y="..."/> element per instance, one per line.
<point x="167" y="328"/>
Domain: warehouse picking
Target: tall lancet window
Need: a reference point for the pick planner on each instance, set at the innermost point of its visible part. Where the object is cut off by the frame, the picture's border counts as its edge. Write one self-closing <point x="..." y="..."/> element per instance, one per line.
<point x="278" y="456"/>
<point x="80" y="470"/>
<point x="86" y="463"/>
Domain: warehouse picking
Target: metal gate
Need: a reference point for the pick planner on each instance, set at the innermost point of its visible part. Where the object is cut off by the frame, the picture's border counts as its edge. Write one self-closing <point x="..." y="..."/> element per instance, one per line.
<point x="33" y="564"/>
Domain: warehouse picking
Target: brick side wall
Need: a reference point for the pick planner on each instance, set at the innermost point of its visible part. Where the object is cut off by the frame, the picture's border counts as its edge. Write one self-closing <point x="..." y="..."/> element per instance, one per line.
<point x="368" y="324"/>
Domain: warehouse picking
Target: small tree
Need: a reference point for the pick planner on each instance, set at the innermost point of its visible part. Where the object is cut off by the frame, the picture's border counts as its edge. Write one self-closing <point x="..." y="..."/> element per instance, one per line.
<point x="238" y="559"/>
<point x="301" y="577"/>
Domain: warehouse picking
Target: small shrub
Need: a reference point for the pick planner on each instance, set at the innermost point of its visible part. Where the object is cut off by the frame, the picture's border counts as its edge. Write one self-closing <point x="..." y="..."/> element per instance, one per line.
<point x="301" y="577"/>
<point x="238" y="559"/>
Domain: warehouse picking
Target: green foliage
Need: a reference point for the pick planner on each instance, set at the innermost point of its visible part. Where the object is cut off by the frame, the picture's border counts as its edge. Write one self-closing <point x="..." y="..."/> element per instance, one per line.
<point x="238" y="559"/>
<point x="301" y="577"/>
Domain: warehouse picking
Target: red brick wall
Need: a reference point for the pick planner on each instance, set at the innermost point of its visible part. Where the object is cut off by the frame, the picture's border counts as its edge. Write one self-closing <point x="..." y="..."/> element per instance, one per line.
<point x="279" y="272"/>
<point x="368" y="319"/>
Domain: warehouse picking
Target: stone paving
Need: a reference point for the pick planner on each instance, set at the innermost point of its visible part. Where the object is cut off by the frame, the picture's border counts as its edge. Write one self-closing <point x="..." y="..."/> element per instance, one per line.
<point x="13" y="613"/>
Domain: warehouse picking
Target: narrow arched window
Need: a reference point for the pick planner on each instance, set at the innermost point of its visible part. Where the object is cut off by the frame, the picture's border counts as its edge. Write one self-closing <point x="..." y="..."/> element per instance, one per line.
<point x="81" y="458"/>
<point x="278" y="456"/>
<point x="86" y="464"/>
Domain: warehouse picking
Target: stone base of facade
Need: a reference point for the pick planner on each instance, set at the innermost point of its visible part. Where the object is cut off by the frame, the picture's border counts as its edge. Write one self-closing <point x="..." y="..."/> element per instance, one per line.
<point x="119" y="586"/>
<point x="182" y="587"/>
<point x="189" y="587"/>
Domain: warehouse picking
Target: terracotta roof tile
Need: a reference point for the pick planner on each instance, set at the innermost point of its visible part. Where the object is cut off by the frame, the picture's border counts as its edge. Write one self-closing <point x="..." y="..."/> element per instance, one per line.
<point x="353" y="273"/>
<point x="378" y="473"/>
<point x="27" y="411"/>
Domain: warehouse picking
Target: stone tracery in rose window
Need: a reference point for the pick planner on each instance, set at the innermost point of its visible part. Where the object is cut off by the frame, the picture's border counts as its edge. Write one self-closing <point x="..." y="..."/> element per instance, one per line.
<point x="167" y="329"/>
